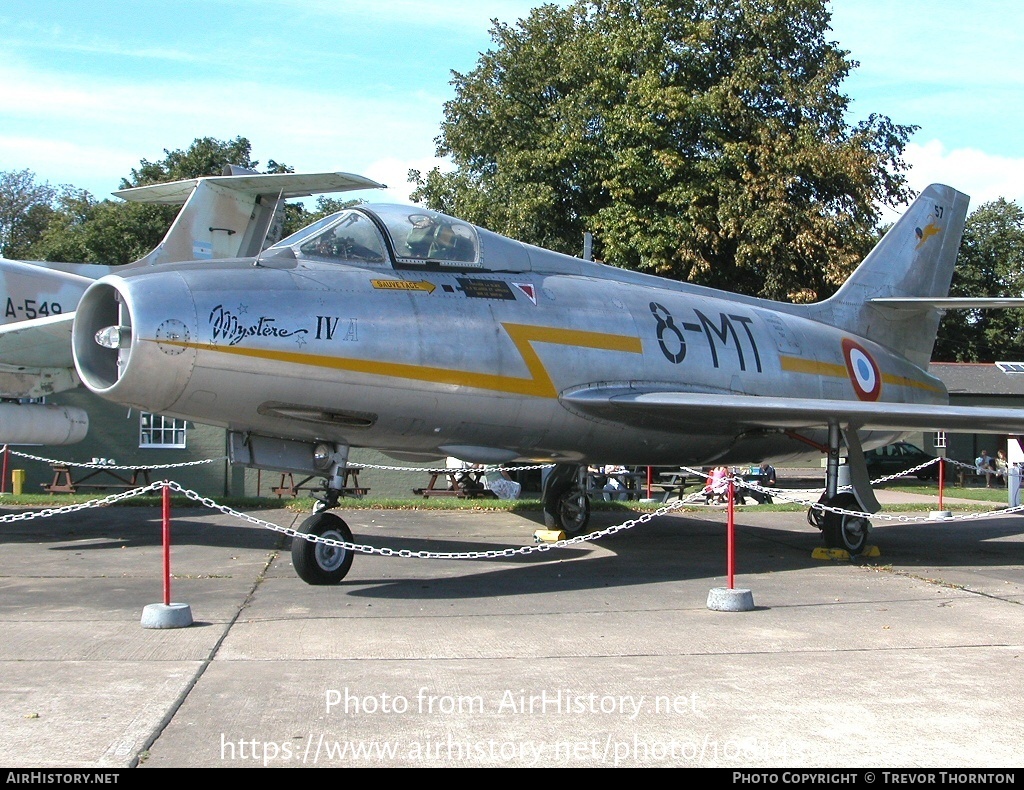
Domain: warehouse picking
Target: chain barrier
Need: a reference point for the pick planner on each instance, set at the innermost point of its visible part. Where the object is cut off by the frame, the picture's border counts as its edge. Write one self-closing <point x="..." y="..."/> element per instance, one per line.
<point x="446" y="469"/>
<point x="433" y="555"/>
<point x="422" y="469"/>
<point x="58" y="511"/>
<point x="86" y="465"/>
<point x="740" y="484"/>
<point x="788" y="495"/>
<point x="961" y="464"/>
<point x="349" y="546"/>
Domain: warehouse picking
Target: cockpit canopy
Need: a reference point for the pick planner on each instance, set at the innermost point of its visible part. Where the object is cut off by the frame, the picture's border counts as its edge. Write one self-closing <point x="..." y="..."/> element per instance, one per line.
<point x="380" y="234"/>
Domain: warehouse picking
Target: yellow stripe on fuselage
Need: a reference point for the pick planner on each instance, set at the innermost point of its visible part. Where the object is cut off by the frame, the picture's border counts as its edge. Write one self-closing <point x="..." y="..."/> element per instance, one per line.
<point x="538" y="384"/>
<point x="812" y="366"/>
<point x="832" y="370"/>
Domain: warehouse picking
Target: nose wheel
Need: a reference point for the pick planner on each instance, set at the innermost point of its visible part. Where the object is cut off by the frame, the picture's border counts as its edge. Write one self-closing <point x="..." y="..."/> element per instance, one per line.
<point x="319" y="563"/>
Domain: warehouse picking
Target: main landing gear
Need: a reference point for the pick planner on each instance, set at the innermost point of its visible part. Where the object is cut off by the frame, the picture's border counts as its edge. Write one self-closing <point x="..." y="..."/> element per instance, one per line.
<point x="840" y="530"/>
<point x="566" y="504"/>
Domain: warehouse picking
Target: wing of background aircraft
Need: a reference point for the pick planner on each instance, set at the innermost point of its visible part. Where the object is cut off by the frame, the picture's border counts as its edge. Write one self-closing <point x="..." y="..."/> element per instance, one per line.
<point x="37" y="354"/>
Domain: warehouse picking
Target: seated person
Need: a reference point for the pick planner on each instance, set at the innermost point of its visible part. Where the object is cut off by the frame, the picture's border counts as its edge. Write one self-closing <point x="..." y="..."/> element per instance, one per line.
<point x="466" y="478"/>
<point x="503" y="486"/>
<point x="1000" y="465"/>
<point x="421" y="236"/>
<point x="766" y="479"/>
<point x="615" y="486"/>
<point x="717" y="487"/>
<point x="985" y="467"/>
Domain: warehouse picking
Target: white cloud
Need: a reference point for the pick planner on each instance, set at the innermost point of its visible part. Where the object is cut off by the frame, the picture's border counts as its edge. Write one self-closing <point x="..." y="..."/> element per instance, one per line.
<point x="983" y="176"/>
<point x="394" y="172"/>
<point x="90" y="133"/>
<point x="451" y="15"/>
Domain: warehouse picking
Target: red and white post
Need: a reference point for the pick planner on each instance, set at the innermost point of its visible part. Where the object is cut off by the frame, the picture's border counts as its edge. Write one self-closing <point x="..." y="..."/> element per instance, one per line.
<point x="166" y="614"/>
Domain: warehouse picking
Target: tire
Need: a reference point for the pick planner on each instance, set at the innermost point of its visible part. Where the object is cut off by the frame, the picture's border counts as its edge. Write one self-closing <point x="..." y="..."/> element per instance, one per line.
<point x="573" y="511"/>
<point x="842" y="531"/>
<point x="559" y="485"/>
<point x="814" y="517"/>
<point x="318" y="563"/>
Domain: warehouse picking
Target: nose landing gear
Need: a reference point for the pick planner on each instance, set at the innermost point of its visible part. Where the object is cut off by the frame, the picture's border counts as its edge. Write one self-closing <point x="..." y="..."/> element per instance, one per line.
<point x="320" y="563"/>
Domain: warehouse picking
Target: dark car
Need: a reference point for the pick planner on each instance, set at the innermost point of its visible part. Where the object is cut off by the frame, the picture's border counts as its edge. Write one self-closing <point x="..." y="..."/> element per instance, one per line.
<point x="899" y="457"/>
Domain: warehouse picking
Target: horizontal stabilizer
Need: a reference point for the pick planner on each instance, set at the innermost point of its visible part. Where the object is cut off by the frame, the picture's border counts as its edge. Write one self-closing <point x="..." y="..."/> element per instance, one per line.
<point x="290" y="185"/>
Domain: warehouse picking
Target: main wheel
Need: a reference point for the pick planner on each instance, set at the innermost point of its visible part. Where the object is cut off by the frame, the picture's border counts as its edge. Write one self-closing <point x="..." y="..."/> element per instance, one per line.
<point x="573" y="511"/>
<point x="843" y="531"/>
<point x="318" y="563"/>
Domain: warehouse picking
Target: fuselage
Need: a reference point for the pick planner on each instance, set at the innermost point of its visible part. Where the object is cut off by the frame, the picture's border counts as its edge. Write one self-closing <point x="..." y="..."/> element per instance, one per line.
<point x="466" y="355"/>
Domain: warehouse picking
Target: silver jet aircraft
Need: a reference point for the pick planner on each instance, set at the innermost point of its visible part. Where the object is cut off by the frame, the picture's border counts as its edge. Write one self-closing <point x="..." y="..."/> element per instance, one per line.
<point x="415" y="333"/>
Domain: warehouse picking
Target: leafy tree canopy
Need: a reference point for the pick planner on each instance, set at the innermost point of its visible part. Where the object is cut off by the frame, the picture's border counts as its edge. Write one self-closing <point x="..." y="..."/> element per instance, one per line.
<point x="704" y="140"/>
<point x="990" y="263"/>
<point x="26" y="207"/>
<point x="205" y="157"/>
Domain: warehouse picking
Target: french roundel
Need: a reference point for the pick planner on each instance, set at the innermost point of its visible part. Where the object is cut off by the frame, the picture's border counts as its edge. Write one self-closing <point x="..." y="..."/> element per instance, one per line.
<point x="867" y="381"/>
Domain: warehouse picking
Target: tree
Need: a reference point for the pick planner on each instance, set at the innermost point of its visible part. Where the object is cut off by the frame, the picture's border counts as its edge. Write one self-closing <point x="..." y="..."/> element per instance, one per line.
<point x="205" y="157"/>
<point x="84" y="230"/>
<point x="25" y="209"/>
<point x="297" y="216"/>
<point x="990" y="263"/>
<point x="704" y="140"/>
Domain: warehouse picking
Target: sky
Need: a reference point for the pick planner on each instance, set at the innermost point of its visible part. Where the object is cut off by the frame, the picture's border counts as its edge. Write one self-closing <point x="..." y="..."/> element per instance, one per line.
<point x="87" y="90"/>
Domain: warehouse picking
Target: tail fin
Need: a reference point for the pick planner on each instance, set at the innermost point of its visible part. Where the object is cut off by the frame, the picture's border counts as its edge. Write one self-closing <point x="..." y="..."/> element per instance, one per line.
<point x="229" y="216"/>
<point x="914" y="259"/>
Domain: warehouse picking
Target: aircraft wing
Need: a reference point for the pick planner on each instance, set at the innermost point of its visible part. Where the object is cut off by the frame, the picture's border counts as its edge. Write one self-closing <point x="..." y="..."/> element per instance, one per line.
<point x="38" y="343"/>
<point x="704" y="411"/>
<point x="948" y="302"/>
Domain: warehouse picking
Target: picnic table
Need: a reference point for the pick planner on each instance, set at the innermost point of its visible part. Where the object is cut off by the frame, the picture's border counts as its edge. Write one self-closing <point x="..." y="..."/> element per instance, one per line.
<point x="673" y="483"/>
<point x="101" y="479"/>
<point x="461" y="483"/>
<point x="633" y="481"/>
<point x="350" y="486"/>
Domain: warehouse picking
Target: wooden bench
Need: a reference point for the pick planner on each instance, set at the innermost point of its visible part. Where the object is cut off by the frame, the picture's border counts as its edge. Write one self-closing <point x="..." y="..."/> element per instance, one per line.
<point x="966" y="474"/>
<point x="64" y="483"/>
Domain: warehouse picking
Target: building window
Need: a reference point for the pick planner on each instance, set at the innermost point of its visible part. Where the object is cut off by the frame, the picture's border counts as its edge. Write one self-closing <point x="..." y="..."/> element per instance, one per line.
<point x="157" y="431"/>
<point x="940" y="439"/>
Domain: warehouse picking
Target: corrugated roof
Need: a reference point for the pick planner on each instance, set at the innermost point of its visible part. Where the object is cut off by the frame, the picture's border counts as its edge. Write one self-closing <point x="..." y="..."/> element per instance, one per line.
<point x="976" y="378"/>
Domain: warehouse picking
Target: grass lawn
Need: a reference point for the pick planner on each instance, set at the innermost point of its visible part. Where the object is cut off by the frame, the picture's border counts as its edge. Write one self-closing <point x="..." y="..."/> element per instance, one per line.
<point x="932" y="489"/>
<point x="987" y="500"/>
